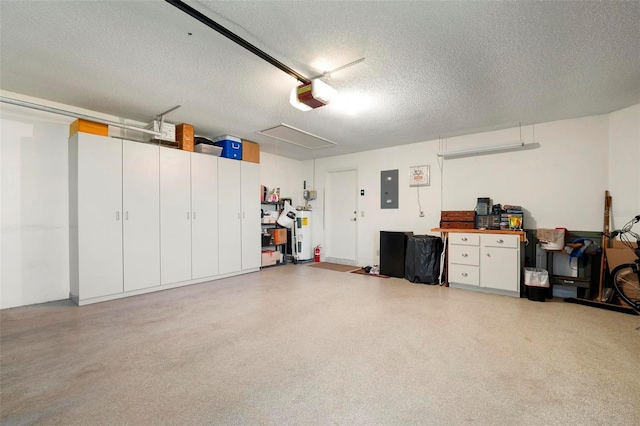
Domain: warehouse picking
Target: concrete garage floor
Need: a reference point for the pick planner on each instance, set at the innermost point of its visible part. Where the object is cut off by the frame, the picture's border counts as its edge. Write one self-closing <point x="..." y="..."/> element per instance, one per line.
<point x="300" y="345"/>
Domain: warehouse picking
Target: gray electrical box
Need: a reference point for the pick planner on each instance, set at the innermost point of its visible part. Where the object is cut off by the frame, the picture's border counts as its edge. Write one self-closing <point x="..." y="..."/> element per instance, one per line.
<point x="389" y="189"/>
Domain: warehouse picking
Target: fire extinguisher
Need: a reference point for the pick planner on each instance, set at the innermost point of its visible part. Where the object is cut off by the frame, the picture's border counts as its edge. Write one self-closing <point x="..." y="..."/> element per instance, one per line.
<point x="316" y="254"/>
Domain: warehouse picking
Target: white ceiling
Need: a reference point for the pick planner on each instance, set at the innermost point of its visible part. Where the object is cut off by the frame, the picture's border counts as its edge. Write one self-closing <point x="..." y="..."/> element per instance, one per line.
<point x="432" y="68"/>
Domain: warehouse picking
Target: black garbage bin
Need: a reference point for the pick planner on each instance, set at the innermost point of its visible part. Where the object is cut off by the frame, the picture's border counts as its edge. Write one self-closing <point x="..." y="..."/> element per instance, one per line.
<point x="422" y="264"/>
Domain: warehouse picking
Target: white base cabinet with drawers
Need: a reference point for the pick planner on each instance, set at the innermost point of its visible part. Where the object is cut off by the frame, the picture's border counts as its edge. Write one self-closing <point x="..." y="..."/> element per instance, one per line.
<point x="485" y="262"/>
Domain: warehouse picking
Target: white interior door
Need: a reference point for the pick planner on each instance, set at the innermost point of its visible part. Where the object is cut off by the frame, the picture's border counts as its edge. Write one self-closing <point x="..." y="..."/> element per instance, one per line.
<point x="251" y="228"/>
<point x="229" y="211"/>
<point x="204" y="224"/>
<point x="175" y="215"/>
<point x="99" y="215"/>
<point x="141" y="204"/>
<point x="341" y="215"/>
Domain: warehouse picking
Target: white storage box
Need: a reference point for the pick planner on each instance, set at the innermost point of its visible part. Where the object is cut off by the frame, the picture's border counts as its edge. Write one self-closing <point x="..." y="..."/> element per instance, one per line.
<point x="208" y="149"/>
<point x="168" y="132"/>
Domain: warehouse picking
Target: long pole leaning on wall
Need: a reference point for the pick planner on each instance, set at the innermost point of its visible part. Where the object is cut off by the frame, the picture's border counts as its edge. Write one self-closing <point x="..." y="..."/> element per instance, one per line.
<point x="75" y="115"/>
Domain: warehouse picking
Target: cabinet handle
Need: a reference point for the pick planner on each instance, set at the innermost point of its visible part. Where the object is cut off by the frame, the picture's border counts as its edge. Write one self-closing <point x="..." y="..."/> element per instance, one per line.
<point x="126" y="215"/>
<point x="500" y="241"/>
<point x="464" y="238"/>
<point x="194" y="215"/>
<point x="488" y="254"/>
<point x="243" y="215"/>
<point x="187" y="215"/>
<point x="117" y="215"/>
<point x="464" y="274"/>
<point x="465" y="255"/>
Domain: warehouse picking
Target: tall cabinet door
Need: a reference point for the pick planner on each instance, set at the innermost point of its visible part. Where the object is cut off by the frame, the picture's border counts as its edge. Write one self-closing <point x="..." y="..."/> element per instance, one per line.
<point x="98" y="251"/>
<point x="229" y="211"/>
<point x="175" y="215"/>
<point x="141" y="204"/>
<point x="204" y="223"/>
<point x="251" y="229"/>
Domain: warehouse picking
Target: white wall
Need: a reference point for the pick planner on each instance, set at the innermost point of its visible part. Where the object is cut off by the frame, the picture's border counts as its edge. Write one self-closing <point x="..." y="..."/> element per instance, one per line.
<point x="35" y="211"/>
<point x="624" y="165"/>
<point x="283" y="173"/>
<point x="561" y="183"/>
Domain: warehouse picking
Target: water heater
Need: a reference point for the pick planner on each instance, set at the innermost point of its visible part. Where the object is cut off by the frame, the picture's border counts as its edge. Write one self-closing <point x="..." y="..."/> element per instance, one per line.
<point x="303" y="235"/>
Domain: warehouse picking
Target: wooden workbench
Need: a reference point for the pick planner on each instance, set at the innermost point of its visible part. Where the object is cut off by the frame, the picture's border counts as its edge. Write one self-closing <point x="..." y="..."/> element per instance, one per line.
<point x="481" y="231"/>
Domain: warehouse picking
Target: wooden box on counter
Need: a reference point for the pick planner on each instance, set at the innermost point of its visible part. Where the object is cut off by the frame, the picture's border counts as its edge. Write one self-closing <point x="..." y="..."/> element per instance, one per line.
<point x="457" y="219"/>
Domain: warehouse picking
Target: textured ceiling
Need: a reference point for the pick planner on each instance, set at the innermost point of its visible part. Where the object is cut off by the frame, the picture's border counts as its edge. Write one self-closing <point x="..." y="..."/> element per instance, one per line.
<point x="432" y="68"/>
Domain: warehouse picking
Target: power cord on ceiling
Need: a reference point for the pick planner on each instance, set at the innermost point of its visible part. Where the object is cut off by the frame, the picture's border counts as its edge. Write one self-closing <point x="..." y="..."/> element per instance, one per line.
<point x="441" y="148"/>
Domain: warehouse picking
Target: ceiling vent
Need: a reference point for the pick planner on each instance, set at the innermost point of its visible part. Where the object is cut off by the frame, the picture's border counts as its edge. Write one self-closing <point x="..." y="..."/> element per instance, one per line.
<point x="295" y="136"/>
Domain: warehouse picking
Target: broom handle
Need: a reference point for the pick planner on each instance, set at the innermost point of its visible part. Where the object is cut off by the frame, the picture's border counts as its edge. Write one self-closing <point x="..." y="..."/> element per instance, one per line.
<point x="605" y="232"/>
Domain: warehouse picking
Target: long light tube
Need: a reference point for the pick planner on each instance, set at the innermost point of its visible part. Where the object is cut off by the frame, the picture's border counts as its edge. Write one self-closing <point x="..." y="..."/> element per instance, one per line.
<point x="481" y="150"/>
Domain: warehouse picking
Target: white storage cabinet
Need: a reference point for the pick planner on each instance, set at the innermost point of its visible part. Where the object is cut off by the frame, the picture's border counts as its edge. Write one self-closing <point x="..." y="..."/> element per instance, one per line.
<point x="142" y="216"/>
<point x="239" y="215"/>
<point x="204" y="224"/>
<point x="114" y="216"/>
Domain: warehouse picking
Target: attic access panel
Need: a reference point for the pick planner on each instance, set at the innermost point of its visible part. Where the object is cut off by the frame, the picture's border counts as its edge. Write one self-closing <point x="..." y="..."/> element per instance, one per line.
<point x="294" y="136"/>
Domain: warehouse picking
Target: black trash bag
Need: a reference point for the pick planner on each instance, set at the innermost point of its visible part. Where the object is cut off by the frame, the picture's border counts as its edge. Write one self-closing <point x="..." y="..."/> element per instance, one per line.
<point x="422" y="262"/>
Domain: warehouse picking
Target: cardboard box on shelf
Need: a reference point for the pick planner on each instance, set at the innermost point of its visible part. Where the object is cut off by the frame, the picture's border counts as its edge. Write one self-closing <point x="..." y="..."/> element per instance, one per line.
<point x="86" y="126"/>
<point x="250" y="151"/>
<point x="270" y="257"/>
<point x="184" y="136"/>
<point x="279" y="235"/>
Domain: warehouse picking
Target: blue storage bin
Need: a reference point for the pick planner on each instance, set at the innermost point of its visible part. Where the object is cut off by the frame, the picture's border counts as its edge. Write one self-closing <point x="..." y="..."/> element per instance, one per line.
<point x="230" y="149"/>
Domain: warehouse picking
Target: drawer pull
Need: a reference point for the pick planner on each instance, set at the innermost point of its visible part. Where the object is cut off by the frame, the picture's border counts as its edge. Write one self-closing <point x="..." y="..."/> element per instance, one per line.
<point x="465" y="255"/>
<point x="464" y="274"/>
<point x="464" y="238"/>
<point x="500" y="241"/>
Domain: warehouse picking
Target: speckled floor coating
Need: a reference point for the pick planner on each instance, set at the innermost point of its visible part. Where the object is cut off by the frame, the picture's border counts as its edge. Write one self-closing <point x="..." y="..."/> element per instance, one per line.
<point x="299" y="345"/>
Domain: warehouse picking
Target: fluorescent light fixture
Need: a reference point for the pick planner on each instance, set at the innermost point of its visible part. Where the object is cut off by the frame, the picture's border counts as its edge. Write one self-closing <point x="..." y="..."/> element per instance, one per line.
<point x="482" y="150"/>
